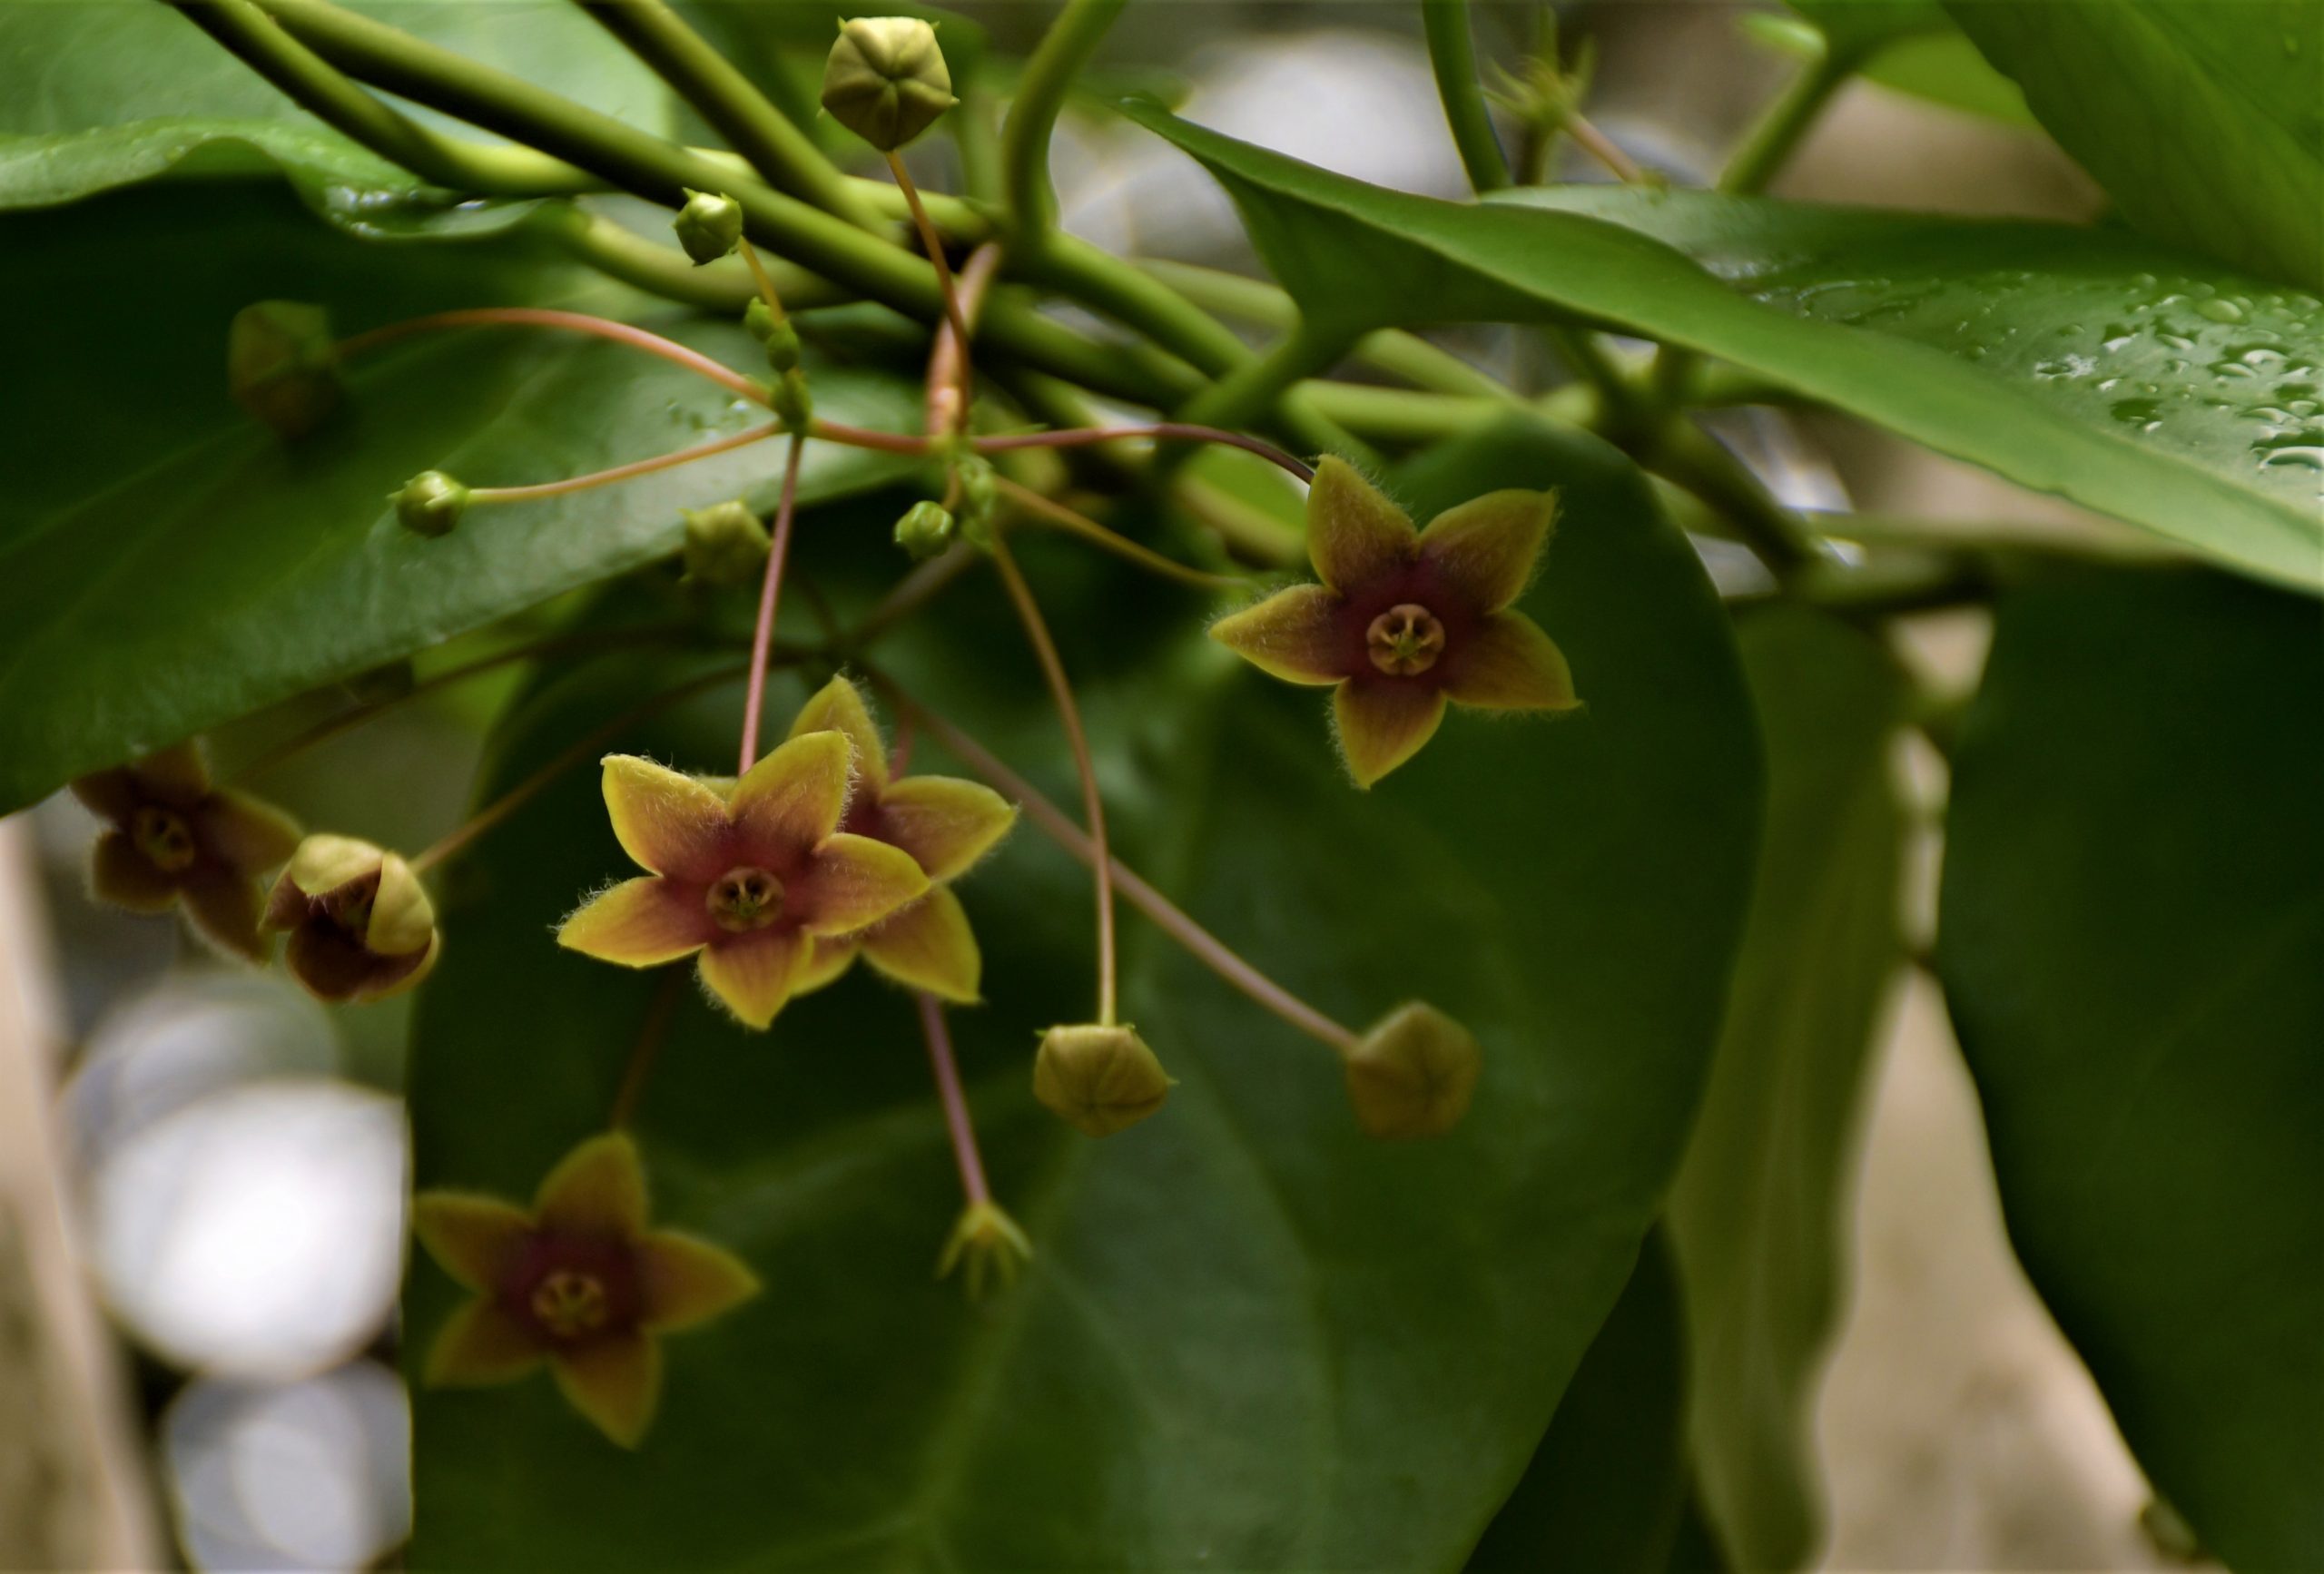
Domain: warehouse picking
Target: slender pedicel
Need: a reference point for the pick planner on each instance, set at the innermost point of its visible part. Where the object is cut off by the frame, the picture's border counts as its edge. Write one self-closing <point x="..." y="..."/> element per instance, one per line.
<point x="770" y="592"/>
<point x="677" y="354"/>
<point x="1163" y="431"/>
<point x="630" y="471"/>
<point x="651" y="1037"/>
<point x="1076" y="523"/>
<point x="956" y="1104"/>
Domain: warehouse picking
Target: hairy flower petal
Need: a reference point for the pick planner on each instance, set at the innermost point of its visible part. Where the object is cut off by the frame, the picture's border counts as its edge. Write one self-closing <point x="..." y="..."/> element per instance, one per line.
<point x="752" y="974"/>
<point x="1354" y="534"/>
<point x="225" y="909"/>
<point x="1383" y="724"/>
<point x="1295" y="634"/>
<point x="1486" y="549"/>
<point x="177" y="775"/>
<point x="838" y="707"/>
<point x="249" y="833"/>
<point x="471" y="1236"/>
<point x="481" y="1343"/>
<point x="795" y="797"/>
<point x="1510" y="665"/>
<point x="683" y="1282"/>
<point x="929" y="946"/>
<point x="108" y="794"/>
<point x="120" y="874"/>
<point x="667" y="822"/>
<point x="597" y="1189"/>
<point x="945" y="824"/>
<point x="828" y="958"/>
<point x="639" y="923"/>
<point x="615" y="1382"/>
<point x="853" y="882"/>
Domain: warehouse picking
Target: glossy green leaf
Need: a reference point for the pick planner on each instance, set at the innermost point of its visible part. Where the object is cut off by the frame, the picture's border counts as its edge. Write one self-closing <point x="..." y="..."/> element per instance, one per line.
<point x="2239" y="486"/>
<point x="1757" y="1217"/>
<point x="2133" y="947"/>
<point x="1608" y="1483"/>
<point x="2203" y="121"/>
<point x="167" y="565"/>
<point x="1250" y="1338"/>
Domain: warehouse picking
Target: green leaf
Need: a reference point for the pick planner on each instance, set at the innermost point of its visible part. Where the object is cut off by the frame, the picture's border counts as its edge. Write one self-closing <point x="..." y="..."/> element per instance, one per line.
<point x="2204" y="122"/>
<point x="1608" y="1483"/>
<point x="1913" y="47"/>
<point x="1757" y="1217"/>
<point x="1358" y="257"/>
<point x="2132" y="927"/>
<point x="1250" y="1337"/>
<point x="167" y="565"/>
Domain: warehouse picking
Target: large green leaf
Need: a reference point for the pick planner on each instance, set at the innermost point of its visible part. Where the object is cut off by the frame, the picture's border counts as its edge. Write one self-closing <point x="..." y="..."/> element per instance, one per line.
<point x="1250" y="1338"/>
<point x="2133" y="946"/>
<point x="2203" y="121"/>
<point x="1359" y="257"/>
<point x="1756" y="1215"/>
<point x="166" y="564"/>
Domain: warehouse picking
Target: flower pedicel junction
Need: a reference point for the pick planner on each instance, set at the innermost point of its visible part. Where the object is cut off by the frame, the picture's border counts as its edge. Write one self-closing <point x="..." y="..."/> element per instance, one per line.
<point x="773" y="882"/>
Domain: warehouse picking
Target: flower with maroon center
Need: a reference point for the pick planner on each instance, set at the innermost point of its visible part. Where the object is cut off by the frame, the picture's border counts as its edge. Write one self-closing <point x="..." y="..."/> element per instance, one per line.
<point x="746" y="877"/>
<point x="578" y="1283"/>
<point x="361" y="925"/>
<point x="174" y="838"/>
<point x="944" y="823"/>
<point x="1406" y="620"/>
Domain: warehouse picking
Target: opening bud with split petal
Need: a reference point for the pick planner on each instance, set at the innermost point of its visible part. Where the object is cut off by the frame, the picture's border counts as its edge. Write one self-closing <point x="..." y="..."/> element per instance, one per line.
<point x="1407" y="620"/>
<point x="886" y="80"/>
<point x="282" y="365"/>
<point x="708" y="226"/>
<point x="361" y="927"/>
<point x="725" y="544"/>
<point x="577" y="1281"/>
<point x="1413" y="1074"/>
<point x="1100" y="1079"/>
<point x="172" y="838"/>
<point x="430" y="504"/>
<point x="925" y="530"/>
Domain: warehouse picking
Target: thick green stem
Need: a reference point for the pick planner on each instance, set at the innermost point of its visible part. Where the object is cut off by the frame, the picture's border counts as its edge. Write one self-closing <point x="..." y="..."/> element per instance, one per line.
<point x="784" y="156"/>
<point x="1072" y="38"/>
<point x="1235" y="399"/>
<point x="1770" y="142"/>
<point x="1452" y="56"/>
<point x="1686" y="455"/>
<point x="723" y="286"/>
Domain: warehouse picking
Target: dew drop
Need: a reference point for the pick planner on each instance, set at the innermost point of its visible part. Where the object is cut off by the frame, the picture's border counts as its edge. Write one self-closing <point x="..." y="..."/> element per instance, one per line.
<point x="2219" y="309"/>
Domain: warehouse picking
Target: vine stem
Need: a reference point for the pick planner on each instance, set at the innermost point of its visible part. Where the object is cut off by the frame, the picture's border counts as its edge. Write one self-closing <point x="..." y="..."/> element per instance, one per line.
<point x="647" y="1051"/>
<point x="1079" y="436"/>
<point x="1205" y="947"/>
<point x="1453" y="56"/>
<point x="956" y="1102"/>
<point x="770" y="592"/>
<point x="677" y="354"/>
<point x="636" y="468"/>
<point x="1076" y="523"/>
<point x="1037" y="631"/>
<point x="1071" y="38"/>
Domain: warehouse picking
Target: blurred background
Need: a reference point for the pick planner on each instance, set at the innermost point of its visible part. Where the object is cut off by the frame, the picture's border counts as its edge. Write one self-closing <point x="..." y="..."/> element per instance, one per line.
<point x="212" y="1166"/>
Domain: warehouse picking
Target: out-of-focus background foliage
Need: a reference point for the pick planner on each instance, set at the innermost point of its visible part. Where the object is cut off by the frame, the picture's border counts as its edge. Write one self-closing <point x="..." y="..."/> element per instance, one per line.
<point x="238" y="1156"/>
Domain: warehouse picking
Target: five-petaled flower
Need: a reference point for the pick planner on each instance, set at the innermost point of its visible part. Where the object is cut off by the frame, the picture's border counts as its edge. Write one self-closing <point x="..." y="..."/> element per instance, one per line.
<point x="579" y="1281"/>
<point x="174" y="837"/>
<point x="1406" y="620"/>
<point x="945" y="824"/>
<point x="748" y="876"/>
<point x="362" y="927"/>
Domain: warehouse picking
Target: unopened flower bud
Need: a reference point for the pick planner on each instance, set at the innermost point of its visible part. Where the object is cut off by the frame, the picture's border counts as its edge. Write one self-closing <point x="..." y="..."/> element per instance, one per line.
<point x="362" y="927"/>
<point x="1412" y="1075"/>
<point x="792" y="402"/>
<point x="281" y="367"/>
<point x="757" y="320"/>
<point x="431" y="503"/>
<point x="1100" y="1079"/>
<point x="783" y="347"/>
<point x="709" y="225"/>
<point x="925" y="530"/>
<point x="725" y="544"/>
<point x="886" y="80"/>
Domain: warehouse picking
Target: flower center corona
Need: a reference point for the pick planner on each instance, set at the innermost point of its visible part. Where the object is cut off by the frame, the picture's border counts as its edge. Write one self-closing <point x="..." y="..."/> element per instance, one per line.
<point x="744" y="899"/>
<point x="1404" y="639"/>
<point x="568" y="1303"/>
<point x="164" y="838"/>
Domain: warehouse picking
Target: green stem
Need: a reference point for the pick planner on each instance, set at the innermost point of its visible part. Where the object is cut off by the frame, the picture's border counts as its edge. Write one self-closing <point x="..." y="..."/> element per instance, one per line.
<point x="784" y="156"/>
<point x="1073" y="522"/>
<point x="1452" y="56"/>
<point x="1072" y="38"/>
<point x="1255" y="385"/>
<point x="725" y="286"/>
<point x="1778" y="132"/>
<point x="1686" y="455"/>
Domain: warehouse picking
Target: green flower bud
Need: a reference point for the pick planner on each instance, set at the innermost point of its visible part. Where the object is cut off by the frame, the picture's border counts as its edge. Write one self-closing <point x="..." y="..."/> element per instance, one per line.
<point x="1413" y="1074"/>
<point x="1100" y="1079"/>
<point x="791" y="400"/>
<point x="925" y="530"/>
<point x="783" y="347"/>
<point x="886" y="80"/>
<point x="431" y="503"/>
<point x="281" y="366"/>
<point x="757" y="320"/>
<point x="725" y="545"/>
<point x="979" y="495"/>
<point x="709" y="225"/>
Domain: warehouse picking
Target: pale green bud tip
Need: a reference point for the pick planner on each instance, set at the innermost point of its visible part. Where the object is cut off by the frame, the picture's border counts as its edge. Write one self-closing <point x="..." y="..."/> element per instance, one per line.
<point x="1100" y="1079"/>
<point x="281" y="367"/>
<point x="925" y="530"/>
<point x="886" y="80"/>
<point x="709" y="225"/>
<point x="725" y="544"/>
<point x="431" y="503"/>
<point x="1412" y="1075"/>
